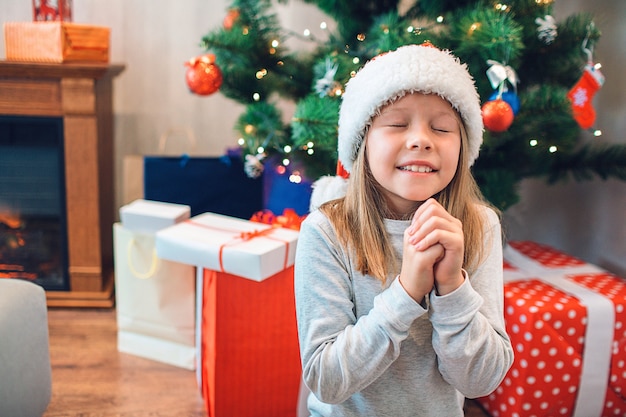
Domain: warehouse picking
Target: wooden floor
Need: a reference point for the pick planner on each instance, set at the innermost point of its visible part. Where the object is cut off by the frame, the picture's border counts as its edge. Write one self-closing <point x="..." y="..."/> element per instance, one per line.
<point x="90" y="378"/>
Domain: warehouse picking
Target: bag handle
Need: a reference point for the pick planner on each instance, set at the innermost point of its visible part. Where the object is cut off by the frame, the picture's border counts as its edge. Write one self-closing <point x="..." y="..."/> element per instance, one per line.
<point x="187" y="132"/>
<point x="153" y="265"/>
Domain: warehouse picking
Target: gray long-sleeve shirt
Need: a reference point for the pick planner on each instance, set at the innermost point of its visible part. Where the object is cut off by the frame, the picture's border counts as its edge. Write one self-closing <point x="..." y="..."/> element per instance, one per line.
<point x="371" y="350"/>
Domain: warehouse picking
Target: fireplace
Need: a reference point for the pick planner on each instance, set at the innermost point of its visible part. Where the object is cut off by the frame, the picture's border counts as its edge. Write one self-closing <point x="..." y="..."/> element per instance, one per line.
<point x="56" y="179"/>
<point x="33" y="238"/>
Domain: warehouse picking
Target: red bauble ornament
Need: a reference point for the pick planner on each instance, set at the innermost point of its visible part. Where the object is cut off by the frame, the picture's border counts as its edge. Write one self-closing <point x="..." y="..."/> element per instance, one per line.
<point x="497" y="115"/>
<point x="231" y="17"/>
<point x="203" y="76"/>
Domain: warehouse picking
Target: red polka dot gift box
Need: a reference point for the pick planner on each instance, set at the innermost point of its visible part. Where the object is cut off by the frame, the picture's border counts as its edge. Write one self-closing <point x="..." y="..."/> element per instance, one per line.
<point x="566" y="319"/>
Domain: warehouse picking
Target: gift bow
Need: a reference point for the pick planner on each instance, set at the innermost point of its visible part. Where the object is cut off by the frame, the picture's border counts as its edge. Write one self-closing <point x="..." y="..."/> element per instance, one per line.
<point x="242" y="236"/>
<point x="498" y="73"/>
<point x="289" y="219"/>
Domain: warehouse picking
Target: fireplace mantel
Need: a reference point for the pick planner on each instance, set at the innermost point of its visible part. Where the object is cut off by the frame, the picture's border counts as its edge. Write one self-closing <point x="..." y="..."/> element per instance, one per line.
<point x="81" y="94"/>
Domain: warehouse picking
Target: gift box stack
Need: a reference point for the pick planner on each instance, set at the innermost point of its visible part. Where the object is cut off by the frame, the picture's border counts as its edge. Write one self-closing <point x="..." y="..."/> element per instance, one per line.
<point x="52" y="37"/>
<point x="247" y="344"/>
<point x="566" y="322"/>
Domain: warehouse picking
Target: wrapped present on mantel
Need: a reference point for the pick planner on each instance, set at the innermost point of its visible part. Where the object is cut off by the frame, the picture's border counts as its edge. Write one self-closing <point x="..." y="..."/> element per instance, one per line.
<point x="247" y="337"/>
<point x="566" y="321"/>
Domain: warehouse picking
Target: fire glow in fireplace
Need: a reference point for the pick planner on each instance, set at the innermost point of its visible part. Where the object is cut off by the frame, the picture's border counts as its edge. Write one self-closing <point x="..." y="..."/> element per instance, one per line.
<point x="33" y="224"/>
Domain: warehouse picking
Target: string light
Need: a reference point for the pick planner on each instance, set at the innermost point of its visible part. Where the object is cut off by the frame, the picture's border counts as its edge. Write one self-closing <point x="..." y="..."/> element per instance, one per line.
<point x="260" y="150"/>
<point x="552" y="149"/>
<point x="360" y="37"/>
<point x="473" y="28"/>
<point x="533" y="142"/>
<point x="286" y="162"/>
<point x="323" y="25"/>
<point x="597" y="133"/>
<point x="256" y="96"/>
<point x="306" y="33"/>
<point x="241" y="141"/>
<point x="295" y="177"/>
<point x="261" y="73"/>
<point x="287" y="149"/>
<point x="439" y="19"/>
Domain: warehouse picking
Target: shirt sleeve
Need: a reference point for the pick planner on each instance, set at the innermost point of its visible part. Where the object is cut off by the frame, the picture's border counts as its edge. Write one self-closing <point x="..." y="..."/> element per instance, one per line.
<point x="340" y="354"/>
<point x="473" y="349"/>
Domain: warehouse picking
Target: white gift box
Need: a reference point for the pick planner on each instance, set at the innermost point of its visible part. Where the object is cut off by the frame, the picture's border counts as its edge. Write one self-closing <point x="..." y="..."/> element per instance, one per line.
<point x="145" y="216"/>
<point x="221" y="243"/>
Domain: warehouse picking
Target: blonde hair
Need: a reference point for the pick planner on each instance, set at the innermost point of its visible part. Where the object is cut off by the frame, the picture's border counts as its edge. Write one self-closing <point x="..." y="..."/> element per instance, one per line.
<point x="358" y="218"/>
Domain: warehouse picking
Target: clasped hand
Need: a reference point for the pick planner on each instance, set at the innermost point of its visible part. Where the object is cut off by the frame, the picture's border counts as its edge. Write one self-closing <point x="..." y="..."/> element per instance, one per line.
<point x="433" y="252"/>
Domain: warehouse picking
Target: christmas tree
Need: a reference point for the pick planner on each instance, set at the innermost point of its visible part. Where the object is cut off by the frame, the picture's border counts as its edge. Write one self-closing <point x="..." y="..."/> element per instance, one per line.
<point x="536" y="78"/>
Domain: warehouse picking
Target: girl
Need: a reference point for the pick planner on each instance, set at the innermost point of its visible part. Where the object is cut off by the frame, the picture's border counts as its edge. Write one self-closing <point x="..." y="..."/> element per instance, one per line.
<point x="399" y="292"/>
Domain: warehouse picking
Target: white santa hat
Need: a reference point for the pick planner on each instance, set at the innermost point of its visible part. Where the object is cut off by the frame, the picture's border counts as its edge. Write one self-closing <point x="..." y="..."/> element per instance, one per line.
<point x="387" y="77"/>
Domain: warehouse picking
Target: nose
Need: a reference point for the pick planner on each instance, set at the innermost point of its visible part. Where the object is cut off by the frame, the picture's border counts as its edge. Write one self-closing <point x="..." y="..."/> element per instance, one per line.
<point x="419" y="138"/>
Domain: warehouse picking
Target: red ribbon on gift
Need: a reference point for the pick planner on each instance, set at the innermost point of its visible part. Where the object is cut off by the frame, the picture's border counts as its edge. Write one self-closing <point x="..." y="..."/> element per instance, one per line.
<point x="243" y="236"/>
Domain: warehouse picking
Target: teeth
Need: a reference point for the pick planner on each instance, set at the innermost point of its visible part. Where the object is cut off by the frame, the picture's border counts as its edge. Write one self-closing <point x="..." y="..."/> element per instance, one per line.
<point x="417" y="168"/>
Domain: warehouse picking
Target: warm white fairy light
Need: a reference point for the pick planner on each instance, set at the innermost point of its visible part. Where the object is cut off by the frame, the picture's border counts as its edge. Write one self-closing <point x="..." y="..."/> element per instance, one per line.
<point x="286" y="162"/>
<point x="552" y="149"/>
<point x="597" y="132"/>
<point x="310" y="144"/>
<point x="439" y="19"/>
<point x="597" y="65"/>
<point x="287" y="149"/>
<point x="533" y="142"/>
<point x="275" y="43"/>
<point x="501" y="7"/>
<point x="260" y="150"/>
<point x="295" y="178"/>
<point x="306" y="33"/>
<point x="356" y="60"/>
<point x="323" y="25"/>
<point x="310" y="151"/>
<point x="241" y="141"/>
<point x="410" y="29"/>
<point x="256" y="96"/>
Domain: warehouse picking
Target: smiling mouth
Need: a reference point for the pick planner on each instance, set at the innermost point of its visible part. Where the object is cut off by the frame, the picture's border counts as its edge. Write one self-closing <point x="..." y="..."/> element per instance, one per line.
<point x="417" y="168"/>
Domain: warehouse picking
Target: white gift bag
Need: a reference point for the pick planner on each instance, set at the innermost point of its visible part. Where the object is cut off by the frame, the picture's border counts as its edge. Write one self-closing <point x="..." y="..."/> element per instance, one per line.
<point x="155" y="301"/>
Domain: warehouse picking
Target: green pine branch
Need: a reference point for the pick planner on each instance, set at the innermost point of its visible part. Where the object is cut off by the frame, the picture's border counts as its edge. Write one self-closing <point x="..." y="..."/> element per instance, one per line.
<point x="588" y="162"/>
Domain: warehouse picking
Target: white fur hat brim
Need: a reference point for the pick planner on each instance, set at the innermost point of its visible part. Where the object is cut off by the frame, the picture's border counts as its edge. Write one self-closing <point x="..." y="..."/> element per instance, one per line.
<point x="409" y="69"/>
<point x="327" y="188"/>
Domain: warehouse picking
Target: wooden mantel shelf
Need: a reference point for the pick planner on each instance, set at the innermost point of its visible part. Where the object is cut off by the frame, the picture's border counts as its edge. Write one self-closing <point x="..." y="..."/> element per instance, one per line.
<point x="81" y="94"/>
<point x="66" y="70"/>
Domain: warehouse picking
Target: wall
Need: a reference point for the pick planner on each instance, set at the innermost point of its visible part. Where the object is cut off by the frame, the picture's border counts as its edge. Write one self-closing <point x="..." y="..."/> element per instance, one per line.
<point x="154" y="39"/>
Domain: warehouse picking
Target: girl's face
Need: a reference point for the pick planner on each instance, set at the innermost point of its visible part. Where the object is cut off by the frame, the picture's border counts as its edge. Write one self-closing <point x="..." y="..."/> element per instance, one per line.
<point x="413" y="149"/>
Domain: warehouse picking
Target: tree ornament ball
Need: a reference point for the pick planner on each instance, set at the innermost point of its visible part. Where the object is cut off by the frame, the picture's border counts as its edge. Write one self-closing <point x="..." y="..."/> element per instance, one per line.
<point x="231" y="17"/>
<point x="497" y="115"/>
<point x="203" y="76"/>
<point x="510" y="97"/>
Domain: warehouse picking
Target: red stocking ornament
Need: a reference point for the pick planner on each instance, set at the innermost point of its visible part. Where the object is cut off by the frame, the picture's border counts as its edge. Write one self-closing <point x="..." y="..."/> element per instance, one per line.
<point x="582" y="93"/>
